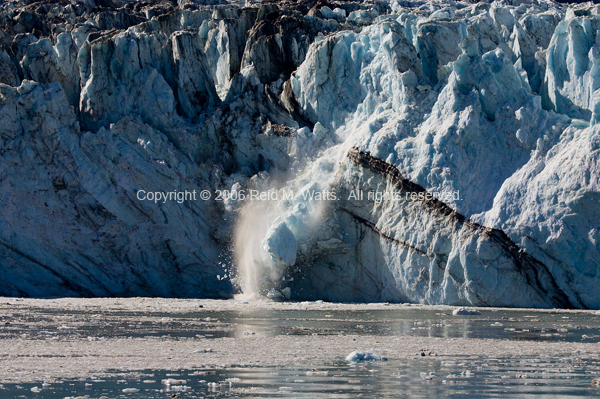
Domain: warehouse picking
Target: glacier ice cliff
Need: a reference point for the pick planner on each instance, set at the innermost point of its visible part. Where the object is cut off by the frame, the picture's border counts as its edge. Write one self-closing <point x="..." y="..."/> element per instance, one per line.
<point x="433" y="152"/>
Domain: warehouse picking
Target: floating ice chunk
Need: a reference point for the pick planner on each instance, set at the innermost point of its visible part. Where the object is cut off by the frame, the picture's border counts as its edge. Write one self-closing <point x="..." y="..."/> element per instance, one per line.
<point x="358" y="356"/>
<point x="464" y="311"/>
<point x="314" y="372"/>
<point x="179" y="388"/>
<point x="281" y="243"/>
<point x="171" y="381"/>
<point x="36" y="389"/>
<point x="428" y="377"/>
<point x="130" y="390"/>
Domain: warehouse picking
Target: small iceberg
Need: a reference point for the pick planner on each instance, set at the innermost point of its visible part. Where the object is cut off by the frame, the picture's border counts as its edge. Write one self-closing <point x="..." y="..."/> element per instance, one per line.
<point x="171" y="381"/>
<point x="360" y="356"/>
<point x="464" y="312"/>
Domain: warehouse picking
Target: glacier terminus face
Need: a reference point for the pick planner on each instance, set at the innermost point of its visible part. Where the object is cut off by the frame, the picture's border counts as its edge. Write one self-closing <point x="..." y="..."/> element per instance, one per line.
<point x="433" y="152"/>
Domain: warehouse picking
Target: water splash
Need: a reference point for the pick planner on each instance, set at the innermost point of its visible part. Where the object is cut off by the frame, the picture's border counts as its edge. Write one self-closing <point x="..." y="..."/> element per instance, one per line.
<point x="257" y="272"/>
<point x="260" y="271"/>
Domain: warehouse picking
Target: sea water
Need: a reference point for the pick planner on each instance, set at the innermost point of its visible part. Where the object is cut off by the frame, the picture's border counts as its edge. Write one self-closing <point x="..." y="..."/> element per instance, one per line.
<point x="469" y="377"/>
<point x="427" y="375"/>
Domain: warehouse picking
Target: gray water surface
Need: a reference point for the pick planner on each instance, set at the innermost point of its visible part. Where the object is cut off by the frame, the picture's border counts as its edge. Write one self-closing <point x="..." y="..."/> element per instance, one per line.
<point x="421" y="377"/>
<point x="495" y="324"/>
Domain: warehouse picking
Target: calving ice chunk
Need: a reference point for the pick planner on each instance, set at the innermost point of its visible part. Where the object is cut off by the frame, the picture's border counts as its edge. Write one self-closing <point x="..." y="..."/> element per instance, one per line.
<point x="281" y="244"/>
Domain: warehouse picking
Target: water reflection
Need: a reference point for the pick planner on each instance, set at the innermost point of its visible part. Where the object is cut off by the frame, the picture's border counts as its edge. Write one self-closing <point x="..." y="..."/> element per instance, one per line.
<point x="427" y="376"/>
<point x="505" y="324"/>
<point x="467" y="377"/>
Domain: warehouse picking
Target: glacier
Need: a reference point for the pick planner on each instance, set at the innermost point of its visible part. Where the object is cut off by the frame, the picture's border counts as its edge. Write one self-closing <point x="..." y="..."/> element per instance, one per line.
<point x="432" y="152"/>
